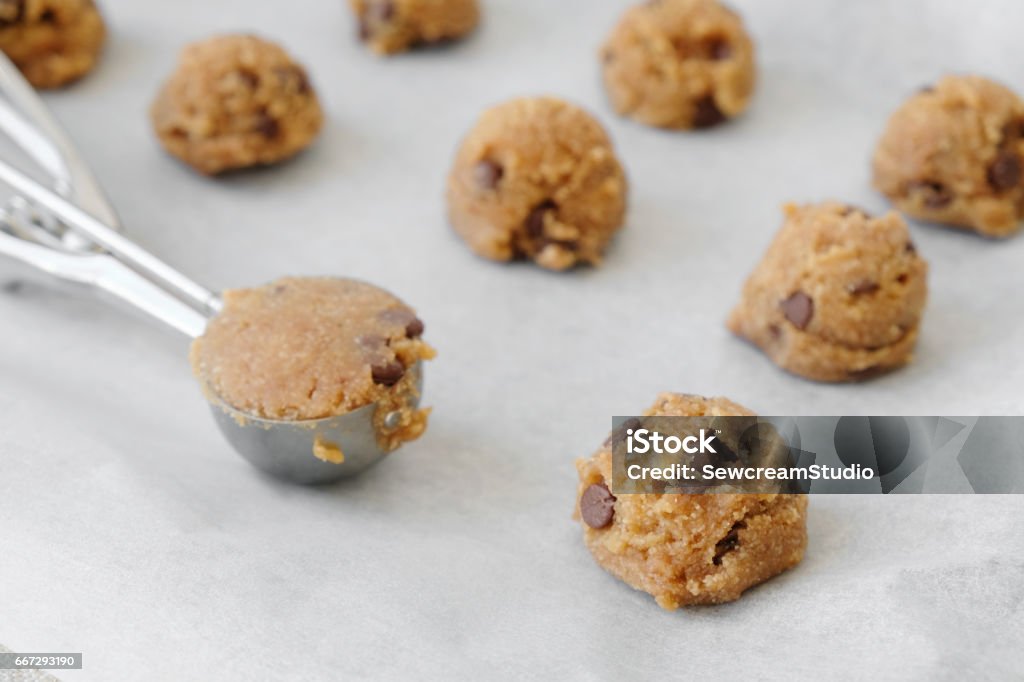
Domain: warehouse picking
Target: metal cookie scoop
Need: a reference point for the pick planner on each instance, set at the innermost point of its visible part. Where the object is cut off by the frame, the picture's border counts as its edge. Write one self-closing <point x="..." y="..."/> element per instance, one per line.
<point x="72" y="234"/>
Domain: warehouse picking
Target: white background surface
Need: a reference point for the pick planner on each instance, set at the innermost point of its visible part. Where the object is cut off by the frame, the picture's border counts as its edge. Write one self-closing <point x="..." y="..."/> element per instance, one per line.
<point x="132" y="533"/>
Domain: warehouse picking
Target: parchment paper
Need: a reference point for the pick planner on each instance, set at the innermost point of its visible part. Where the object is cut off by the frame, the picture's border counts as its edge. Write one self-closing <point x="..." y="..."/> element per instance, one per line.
<point x="131" y="533"/>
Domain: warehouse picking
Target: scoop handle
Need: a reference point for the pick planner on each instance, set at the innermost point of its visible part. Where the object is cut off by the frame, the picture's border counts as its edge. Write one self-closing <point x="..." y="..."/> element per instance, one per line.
<point x="102" y="272"/>
<point x="121" y="248"/>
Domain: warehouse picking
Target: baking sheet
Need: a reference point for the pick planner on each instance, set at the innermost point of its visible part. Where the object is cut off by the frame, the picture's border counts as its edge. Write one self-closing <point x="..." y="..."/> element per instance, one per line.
<point x="131" y="533"/>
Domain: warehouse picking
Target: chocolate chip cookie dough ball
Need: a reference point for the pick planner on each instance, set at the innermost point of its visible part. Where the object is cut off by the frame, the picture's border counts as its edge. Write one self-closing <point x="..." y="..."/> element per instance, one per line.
<point x="688" y="549"/>
<point x="679" y="64"/>
<point x="537" y="179"/>
<point x="53" y="42"/>
<point x="953" y="154"/>
<point x="838" y="296"/>
<point x="233" y="102"/>
<point x="390" y="26"/>
<point x="310" y="348"/>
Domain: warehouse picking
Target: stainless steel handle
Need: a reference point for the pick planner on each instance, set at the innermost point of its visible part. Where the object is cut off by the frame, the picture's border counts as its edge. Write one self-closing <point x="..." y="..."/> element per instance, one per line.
<point x="28" y="122"/>
<point x="102" y="272"/>
<point x="119" y="247"/>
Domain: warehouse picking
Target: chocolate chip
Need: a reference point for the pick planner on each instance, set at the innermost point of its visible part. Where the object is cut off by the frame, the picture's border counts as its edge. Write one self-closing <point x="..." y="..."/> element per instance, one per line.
<point x="903" y="278"/>
<point x="719" y="49"/>
<point x="621" y="434"/>
<point x="294" y="74"/>
<point x="727" y="544"/>
<point x="706" y="113"/>
<point x="535" y="221"/>
<point x="909" y="247"/>
<point x="381" y="12"/>
<point x="933" y="194"/>
<point x="11" y="12"/>
<point x="248" y="77"/>
<point x="266" y="126"/>
<point x="414" y="328"/>
<point x="388" y="373"/>
<point x="865" y="286"/>
<point x="597" y="506"/>
<point x="488" y="173"/>
<point x="363" y="30"/>
<point x="798" y="309"/>
<point x="1005" y="171"/>
<point x="774" y="331"/>
<point x="1013" y="131"/>
<point x="48" y="17"/>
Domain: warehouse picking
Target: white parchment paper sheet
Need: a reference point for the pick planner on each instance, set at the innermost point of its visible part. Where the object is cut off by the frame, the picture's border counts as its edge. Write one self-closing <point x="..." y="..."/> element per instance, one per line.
<point x="132" y="533"/>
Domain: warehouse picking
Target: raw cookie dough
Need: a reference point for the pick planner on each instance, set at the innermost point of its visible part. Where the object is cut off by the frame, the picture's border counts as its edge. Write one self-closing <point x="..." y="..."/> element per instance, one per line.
<point x="235" y="101"/>
<point x="953" y="154"/>
<point x="537" y="179"/>
<point x="309" y="348"/>
<point x="53" y="42"/>
<point x="838" y="296"/>
<point x="390" y="26"/>
<point x="688" y="549"/>
<point x="679" y="64"/>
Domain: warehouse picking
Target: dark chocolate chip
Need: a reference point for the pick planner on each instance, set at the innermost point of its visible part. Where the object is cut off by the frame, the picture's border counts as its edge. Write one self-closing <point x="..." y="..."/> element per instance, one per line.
<point x="903" y="278"/>
<point x="302" y="80"/>
<point x="597" y="506"/>
<point x="414" y="328"/>
<point x="719" y="49"/>
<point x="863" y="287"/>
<point x="934" y="194"/>
<point x="388" y="373"/>
<point x="381" y="11"/>
<point x="1013" y="131"/>
<point x="535" y="221"/>
<point x="910" y="248"/>
<point x="406" y="318"/>
<point x="11" y="12"/>
<point x="706" y="113"/>
<point x="267" y="126"/>
<point x="621" y="433"/>
<point x="488" y="173"/>
<point x="48" y="17"/>
<point x="248" y="77"/>
<point x="1005" y="171"/>
<point x="727" y="544"/>
<point x="798" y="309"/>
<point x="363" y="30"/>
<point x="294" y="74"/>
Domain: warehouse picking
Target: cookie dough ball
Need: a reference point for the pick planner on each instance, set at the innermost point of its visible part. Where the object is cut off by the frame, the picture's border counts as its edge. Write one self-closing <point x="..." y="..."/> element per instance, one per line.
<point x="236" y="101"/>
<point x="53" y="42"/>
<point x="838" y="296"/>
<point x="537" y="179"/>
<point x="310" y="348"/>
<point x="953" y="154"/>
<point x="688" y="549"/>
<point x="390" y="26"/>
<point x="679" y="64"/>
